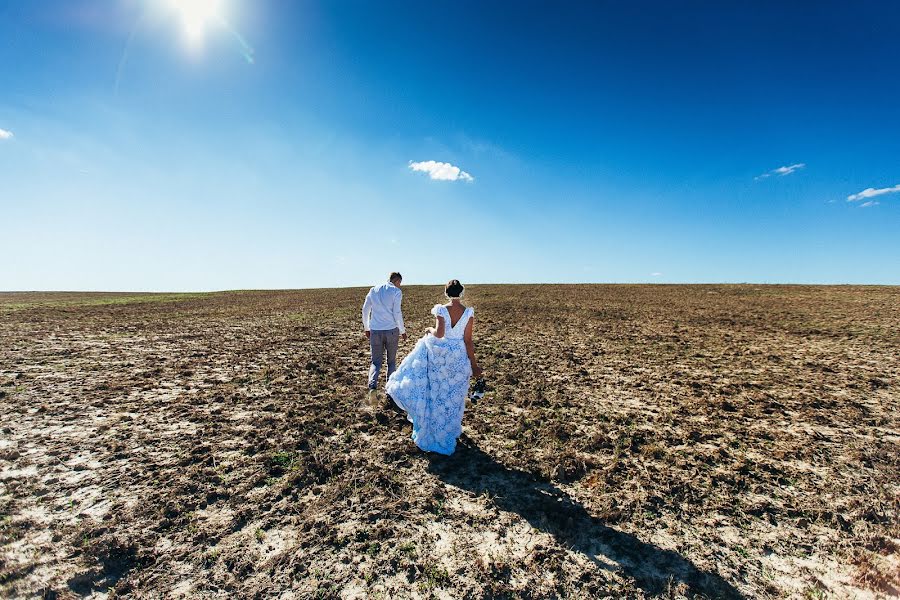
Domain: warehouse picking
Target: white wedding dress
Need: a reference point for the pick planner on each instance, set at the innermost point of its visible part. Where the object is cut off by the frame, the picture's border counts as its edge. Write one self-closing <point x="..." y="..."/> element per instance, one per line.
<point x="432" y="382"/>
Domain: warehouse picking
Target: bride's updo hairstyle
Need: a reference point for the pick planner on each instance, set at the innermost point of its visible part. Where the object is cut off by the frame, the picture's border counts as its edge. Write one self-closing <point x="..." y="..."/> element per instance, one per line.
<point x="454" y="289"/>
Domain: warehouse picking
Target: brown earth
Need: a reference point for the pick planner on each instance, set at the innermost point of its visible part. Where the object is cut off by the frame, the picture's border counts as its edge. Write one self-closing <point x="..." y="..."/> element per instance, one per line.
<point x="636" y="441"/>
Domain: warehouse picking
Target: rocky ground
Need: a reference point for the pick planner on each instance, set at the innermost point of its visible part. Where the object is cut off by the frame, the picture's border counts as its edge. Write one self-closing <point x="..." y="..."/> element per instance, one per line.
<point x="636" y="441"/>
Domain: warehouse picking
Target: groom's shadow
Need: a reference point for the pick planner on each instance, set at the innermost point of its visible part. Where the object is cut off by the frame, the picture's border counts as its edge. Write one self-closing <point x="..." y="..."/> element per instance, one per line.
<point x="548" y="508"/>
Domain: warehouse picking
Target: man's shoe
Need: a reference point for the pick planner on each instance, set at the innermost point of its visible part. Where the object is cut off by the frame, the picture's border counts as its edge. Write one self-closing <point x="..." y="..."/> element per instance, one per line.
<point x="372" y="398"/>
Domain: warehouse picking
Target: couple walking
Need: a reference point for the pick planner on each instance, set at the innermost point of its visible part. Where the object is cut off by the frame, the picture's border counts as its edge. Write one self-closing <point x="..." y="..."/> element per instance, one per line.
<point x="432" y="382"/>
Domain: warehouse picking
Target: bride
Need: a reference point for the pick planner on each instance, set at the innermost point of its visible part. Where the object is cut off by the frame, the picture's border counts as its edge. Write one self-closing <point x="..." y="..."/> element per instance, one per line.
<point x="432" y="381"/>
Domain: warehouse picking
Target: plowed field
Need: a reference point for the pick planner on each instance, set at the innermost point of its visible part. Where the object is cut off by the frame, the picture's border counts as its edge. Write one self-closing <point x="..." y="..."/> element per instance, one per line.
<point x="635" y="441"/>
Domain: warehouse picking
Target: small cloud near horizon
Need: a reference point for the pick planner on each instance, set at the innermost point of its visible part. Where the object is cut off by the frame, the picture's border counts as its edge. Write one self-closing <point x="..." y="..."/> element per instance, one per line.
<point x="5" y="135"/>
<point x="782" y="171"/>
<point x="440" y="171"/>
<point x="868" y="193"/>
<point x="657" y="274"/>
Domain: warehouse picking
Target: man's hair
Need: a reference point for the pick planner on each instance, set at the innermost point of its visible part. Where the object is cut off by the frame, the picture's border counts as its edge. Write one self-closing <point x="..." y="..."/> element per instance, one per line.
<point x="395" y="275"/>
<point x="454" y="288"/>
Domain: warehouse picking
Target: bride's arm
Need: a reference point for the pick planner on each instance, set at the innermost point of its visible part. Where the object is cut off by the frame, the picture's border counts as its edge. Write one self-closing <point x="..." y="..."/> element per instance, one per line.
<point x="470" y="348"/>
<point x="438" y="329"/>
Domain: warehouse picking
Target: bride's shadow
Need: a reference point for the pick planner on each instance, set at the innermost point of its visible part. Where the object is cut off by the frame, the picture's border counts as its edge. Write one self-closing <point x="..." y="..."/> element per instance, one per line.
<point x="549" y="509"/>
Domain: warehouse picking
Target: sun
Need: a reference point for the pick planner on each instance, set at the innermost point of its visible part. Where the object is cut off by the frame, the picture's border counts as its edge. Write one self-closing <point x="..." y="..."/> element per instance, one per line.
<point x="196" y="16"/>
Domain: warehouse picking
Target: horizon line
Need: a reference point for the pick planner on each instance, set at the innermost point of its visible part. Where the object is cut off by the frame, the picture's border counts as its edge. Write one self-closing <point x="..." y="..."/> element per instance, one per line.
<point x="418" y="285"/>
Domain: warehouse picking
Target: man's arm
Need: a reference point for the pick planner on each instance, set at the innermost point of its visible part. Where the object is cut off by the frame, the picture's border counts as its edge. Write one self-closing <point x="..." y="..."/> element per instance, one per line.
<point x="398" y="313"/>
<point x="367" y="312"/>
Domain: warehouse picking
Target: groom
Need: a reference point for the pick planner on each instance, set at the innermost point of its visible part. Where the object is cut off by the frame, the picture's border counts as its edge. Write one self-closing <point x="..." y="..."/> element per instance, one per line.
<point x="383" y="324"/>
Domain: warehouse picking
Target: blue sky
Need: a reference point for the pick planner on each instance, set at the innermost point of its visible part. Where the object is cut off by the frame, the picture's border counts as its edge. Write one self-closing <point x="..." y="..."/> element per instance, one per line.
<point x="282" y="144"/>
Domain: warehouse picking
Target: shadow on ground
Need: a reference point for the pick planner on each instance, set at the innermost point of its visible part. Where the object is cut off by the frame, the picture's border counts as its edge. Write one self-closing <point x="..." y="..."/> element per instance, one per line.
<point x="549" y="509"/>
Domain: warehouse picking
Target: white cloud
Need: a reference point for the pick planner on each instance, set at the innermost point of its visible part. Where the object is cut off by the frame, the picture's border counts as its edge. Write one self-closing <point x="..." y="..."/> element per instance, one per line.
<point x="871" y="193"/>
<point x="657" y="274"/>
<point x="787" y="170"/>
<point x="441" y="171"/>
<point x="869" y="203"/>
<point x="5" y="135"/>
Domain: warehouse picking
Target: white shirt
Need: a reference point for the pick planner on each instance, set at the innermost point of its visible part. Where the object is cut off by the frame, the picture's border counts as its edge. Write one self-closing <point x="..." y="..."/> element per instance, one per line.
<point x="381" y="310"/>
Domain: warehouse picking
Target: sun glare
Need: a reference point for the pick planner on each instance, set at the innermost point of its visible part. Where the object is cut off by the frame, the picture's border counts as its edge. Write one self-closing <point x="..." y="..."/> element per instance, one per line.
<point x="196" y="17"/>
